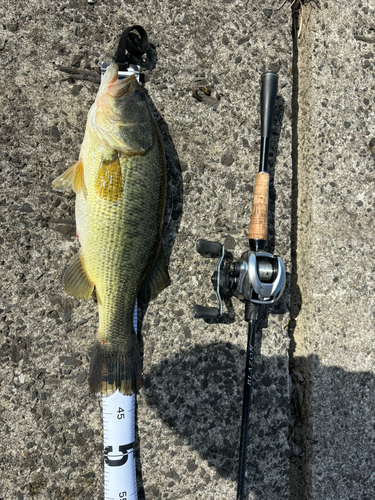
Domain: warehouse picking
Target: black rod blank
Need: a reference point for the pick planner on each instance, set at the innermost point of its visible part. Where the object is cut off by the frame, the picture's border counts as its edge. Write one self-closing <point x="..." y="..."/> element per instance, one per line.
<point x="246" y="402"/>
<point x="267" y="104"/>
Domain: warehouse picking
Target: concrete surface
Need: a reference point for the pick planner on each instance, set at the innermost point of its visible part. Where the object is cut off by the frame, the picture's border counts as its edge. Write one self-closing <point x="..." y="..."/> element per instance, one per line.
<point x="333" y="360"/>
<point x="189" y="410"/>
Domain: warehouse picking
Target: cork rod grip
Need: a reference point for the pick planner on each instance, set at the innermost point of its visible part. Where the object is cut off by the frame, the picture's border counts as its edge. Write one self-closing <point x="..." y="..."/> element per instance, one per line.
<point x="259" y="213"/>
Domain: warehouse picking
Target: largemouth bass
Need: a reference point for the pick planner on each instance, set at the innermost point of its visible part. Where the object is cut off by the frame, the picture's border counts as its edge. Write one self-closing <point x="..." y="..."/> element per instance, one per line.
<point x="120" y="186"/>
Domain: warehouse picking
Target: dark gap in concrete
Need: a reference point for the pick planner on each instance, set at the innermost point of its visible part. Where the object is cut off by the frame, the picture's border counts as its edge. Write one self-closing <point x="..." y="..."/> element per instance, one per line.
<point x="299" y="369"/>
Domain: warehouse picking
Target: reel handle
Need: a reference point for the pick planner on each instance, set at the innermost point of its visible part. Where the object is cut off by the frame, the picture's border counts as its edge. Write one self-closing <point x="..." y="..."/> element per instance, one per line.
<point x="206" y="312"/>
<point x="212" y="247"/>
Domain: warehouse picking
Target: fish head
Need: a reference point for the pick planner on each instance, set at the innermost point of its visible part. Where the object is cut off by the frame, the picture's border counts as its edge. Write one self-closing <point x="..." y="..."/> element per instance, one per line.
<point x="121" y="116"/>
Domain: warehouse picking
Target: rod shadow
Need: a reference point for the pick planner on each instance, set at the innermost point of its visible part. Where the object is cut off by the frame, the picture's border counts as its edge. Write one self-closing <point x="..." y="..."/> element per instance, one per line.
<point x="277" y="123"/>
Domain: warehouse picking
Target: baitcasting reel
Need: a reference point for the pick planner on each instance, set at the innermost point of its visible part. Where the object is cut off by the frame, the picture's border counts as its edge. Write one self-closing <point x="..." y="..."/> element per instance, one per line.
<point x="258" y="277"/>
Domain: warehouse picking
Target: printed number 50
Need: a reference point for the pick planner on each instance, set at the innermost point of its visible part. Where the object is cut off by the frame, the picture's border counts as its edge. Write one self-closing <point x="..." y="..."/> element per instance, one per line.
<point x="122" y="494"/>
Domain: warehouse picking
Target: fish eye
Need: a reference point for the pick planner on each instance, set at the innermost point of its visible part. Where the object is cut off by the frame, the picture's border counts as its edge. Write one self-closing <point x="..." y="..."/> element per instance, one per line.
<point x="139" y="95"/>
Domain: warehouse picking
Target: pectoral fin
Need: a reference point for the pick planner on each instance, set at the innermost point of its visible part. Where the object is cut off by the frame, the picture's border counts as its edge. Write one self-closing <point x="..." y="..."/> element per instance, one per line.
<point x="108" y="182"/>
<point x="157" y="280"/>
<point x="75" y="279"/>
<point x="71" y="179"/>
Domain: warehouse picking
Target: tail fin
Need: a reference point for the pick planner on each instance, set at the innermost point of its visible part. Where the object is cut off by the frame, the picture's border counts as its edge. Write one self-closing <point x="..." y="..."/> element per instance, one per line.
<point x="115" y="370"/>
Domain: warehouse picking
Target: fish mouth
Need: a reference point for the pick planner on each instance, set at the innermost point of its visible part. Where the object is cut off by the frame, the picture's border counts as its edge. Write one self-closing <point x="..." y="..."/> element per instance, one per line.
<point x="118" y="88"/>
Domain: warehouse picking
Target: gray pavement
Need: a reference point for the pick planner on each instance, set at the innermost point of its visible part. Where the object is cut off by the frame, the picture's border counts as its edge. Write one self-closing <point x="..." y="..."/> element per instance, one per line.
<point x="189" y="411"/>
<point x="334" y="330"/>
<point x="311" y="438"/>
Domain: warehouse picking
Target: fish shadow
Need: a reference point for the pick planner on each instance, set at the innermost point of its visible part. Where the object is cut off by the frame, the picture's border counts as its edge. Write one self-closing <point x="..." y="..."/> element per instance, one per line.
<point x="199" y="392"/>
<point x="174" y="197"/>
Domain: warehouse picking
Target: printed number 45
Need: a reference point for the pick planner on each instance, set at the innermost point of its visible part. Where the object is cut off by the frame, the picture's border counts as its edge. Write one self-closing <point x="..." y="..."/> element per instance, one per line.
<point x="120" y="415"/>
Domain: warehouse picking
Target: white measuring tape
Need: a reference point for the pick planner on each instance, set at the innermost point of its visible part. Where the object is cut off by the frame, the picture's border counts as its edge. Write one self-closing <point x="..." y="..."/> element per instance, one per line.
<point x="119" y="435"/>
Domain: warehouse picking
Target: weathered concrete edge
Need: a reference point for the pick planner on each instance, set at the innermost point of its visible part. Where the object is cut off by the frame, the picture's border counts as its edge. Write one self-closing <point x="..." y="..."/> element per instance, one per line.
<point x="300" y="477"/>
<point x="311" y="354"/>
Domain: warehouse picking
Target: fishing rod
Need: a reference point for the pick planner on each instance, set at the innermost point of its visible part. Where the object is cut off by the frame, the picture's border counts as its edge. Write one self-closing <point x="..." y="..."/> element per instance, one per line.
<point x="258" y="278"/>
<point x="120" y="480"/>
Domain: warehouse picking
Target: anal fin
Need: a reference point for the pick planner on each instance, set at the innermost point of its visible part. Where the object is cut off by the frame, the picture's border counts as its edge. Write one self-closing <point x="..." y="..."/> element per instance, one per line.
<point x="157" y="280"/>
<point x="75" y="279"/>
